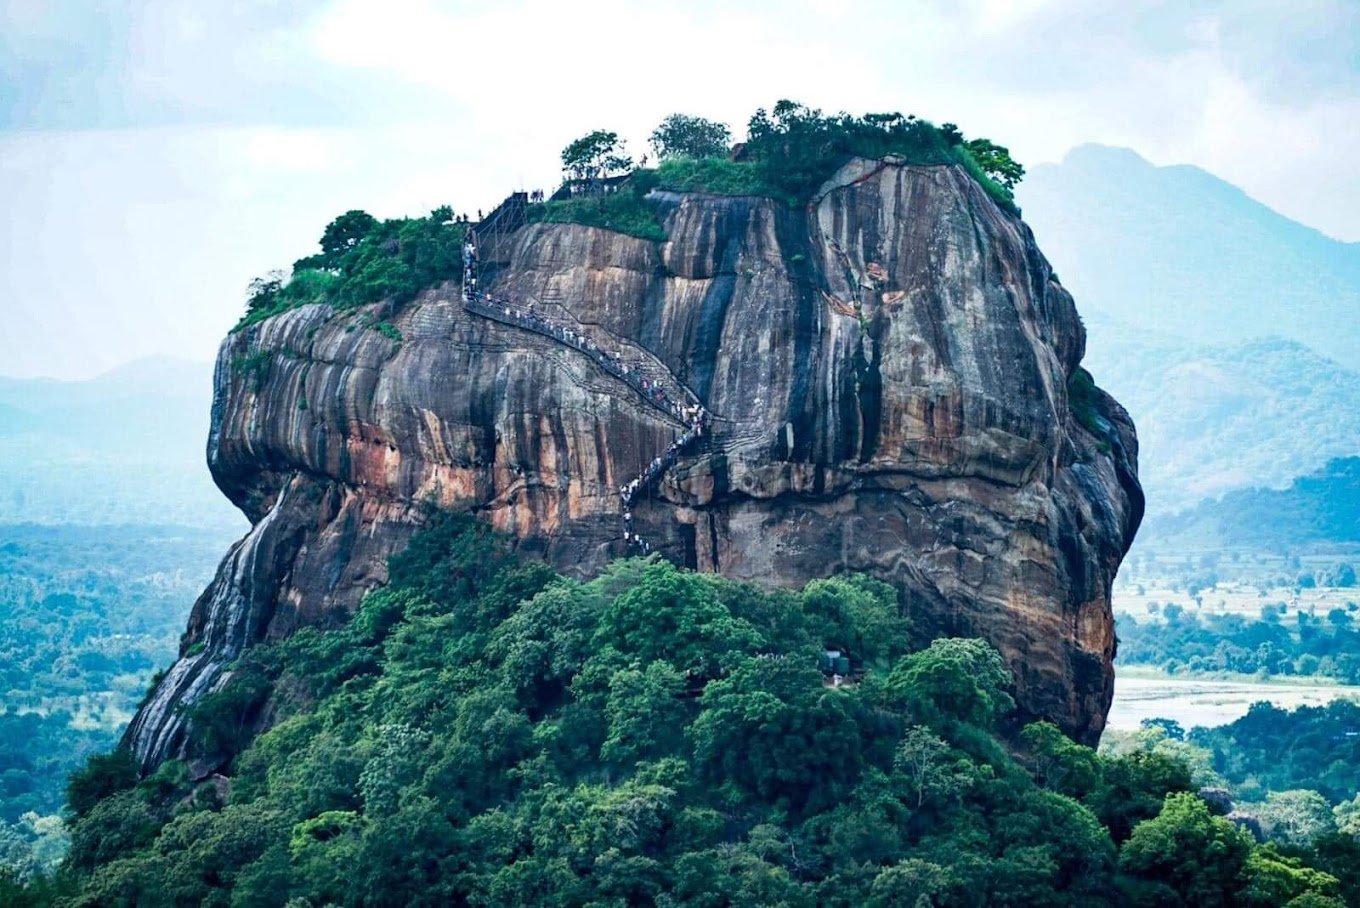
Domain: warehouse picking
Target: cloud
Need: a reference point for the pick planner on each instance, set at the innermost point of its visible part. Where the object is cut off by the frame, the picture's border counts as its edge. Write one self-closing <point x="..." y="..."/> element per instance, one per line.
<point x="1194" y="83"/>
<point x="124" y="243"/>
<point x="549" y="71"/>
<point x="157" y="155"/>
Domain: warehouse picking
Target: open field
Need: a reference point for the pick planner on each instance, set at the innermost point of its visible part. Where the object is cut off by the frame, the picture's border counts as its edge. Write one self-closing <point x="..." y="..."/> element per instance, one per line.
<point x="1140" y="695"/>
<point x="1142" y="600"/>
<point x="1234" y="581"/>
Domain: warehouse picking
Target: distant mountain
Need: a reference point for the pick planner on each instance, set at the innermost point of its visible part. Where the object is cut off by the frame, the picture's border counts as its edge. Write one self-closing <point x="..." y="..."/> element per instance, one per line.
<point x="1321" y="508"/>
<point x="1215" y="418"/>
<point x="1179" y="252"/>
<point x="125" y="447"/>
<point x="1231" y="333"/>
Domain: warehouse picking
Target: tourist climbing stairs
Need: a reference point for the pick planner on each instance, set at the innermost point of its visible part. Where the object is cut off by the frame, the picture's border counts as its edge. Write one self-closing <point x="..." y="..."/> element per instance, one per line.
<point x="625" y="360"/>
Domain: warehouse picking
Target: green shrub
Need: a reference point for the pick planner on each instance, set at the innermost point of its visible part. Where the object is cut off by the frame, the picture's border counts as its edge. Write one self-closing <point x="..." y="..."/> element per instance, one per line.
<point x="1083" y="400"/>
<point x="102" y="775"/>
<point x="364" y="261"/>
<point x="625" y="211"/>
<point x="388" y="330"/>
<point x="718" y="176"/>
<point x="310" y="285"/>
<point x="1000" y="194"/>
<point x="223" y="720"/>
<point x="253" y="367"/>
<point x="799" y="147"/>
<point x="791" y="152"/>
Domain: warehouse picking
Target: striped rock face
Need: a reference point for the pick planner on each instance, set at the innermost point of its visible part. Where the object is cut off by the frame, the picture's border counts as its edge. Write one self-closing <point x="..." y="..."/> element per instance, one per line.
<point x="886" y="371"/>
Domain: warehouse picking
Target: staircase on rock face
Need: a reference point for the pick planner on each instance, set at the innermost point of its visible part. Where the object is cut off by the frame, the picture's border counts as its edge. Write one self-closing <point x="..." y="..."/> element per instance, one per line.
<point x="641" y="371"/>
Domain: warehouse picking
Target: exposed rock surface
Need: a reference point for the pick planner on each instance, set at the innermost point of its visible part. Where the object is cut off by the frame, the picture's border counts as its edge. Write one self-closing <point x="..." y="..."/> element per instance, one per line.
<point x="888" y="371"/>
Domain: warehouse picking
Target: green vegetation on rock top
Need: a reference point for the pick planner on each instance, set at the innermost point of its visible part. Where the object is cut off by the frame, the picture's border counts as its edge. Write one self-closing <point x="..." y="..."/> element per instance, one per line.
<point x="792" y="150"/>
<point x="364" y="260"/>
<point x="788" y="154"/>
<point x="623" y="211"/>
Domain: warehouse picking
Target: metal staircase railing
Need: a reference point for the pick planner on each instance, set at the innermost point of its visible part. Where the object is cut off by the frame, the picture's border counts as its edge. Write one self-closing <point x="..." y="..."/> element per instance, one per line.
<point x="693" y="416"/>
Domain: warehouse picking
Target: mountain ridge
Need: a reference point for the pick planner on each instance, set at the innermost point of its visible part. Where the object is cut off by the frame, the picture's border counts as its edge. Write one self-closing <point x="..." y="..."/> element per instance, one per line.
<point x="1218" y="379"/>
<point x="1180" y="250"/>
<point x="123" y="447"/>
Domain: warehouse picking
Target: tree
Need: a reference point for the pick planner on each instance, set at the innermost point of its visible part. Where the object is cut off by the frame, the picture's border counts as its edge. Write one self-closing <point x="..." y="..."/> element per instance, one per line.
<point x="1059" y="763"/>
<point x="263" y="292"/>
<point x="1343" y="575"/>
<point x="1173" y="729"/>
<point x="690" y="137"/>
<point x="954" y="679"/>
<point x="344" y="233"/>
<point x="646" y="713"/>
<point x="1339" y="618"/>
<point x="392" y="767"/>
<point x="1347" y="816"/>
<point x="996" y="161"/>
<point x="1339" y="855"/>
<point x="1199" y="855"/>
<point x="909" y="882"/>
<point x="676" y="616"/>
<point x="114" y="827"/>
<point x="1272" y="878"/>
<point x="859" y="615"/>
<point x="928" y="762"/>
<point x="1133" y="787"/>
<point x="771" y="728"/>
<point x="103" y="775"/>
<point x="1296" y="816"/>
<point x="594" y="155"/>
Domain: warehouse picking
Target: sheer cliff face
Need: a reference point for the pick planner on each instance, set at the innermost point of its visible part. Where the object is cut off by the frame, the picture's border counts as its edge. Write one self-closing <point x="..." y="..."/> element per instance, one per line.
<point x="888" y="373"/>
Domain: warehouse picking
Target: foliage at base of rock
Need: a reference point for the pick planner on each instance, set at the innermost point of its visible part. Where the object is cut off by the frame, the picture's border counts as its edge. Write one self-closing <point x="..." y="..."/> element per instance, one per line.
<point x="485" y="732"/>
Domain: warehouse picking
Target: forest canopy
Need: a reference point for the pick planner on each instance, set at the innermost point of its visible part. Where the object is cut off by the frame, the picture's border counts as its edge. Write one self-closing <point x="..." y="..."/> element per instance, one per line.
<point x="486" y="732"/>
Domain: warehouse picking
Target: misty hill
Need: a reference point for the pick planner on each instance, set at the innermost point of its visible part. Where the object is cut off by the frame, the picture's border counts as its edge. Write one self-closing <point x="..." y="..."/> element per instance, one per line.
<point x="1177" y="251"/>
<point x="1226" y="329"/>
<point x="124" y="447"/>
<point x="1215" y="418"/>
<point x="1321" y="508"/>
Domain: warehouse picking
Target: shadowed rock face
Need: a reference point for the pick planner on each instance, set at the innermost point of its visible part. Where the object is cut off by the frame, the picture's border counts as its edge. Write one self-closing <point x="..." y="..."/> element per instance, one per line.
<point x="888" y="373"/>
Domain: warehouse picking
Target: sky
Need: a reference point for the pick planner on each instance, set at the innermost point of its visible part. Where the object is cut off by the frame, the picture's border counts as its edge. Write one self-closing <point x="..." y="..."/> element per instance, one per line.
<point x="157" y="155"/>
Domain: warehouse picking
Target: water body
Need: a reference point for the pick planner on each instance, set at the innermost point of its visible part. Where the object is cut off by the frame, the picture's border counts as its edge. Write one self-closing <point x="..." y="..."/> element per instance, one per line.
<point x="1194" y="702"/>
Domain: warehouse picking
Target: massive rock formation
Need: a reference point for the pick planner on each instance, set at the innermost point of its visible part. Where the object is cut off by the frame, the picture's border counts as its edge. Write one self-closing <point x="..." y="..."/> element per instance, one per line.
<point x="888" y="370"/>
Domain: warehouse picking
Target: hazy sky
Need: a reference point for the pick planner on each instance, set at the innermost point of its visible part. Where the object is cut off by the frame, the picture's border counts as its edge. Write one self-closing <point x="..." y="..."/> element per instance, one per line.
<point x="154" y="156"/>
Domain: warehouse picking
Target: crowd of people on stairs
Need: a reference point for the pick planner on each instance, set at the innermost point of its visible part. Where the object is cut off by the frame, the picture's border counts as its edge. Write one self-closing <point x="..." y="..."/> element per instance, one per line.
<point x="694" y="417"/>
<point x="697" y="418"/>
